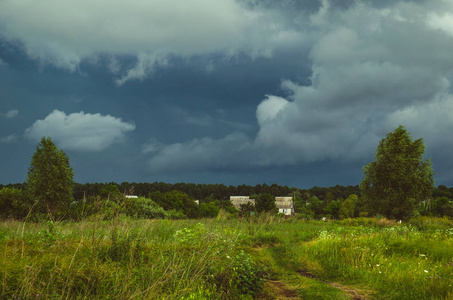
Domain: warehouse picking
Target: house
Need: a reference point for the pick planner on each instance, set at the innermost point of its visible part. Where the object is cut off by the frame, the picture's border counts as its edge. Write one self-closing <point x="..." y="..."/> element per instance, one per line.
<point x="237" y="201"/>
<point x="285" y="205"/>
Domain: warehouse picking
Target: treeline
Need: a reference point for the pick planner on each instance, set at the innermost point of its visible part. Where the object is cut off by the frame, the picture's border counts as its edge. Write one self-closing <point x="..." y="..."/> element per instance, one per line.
<point x="175" y="201"/>
<point x="205" y="191"/>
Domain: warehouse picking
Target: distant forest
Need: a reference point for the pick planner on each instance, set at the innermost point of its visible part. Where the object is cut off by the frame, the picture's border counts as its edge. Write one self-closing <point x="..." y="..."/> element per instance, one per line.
<point x="223" y="192"/>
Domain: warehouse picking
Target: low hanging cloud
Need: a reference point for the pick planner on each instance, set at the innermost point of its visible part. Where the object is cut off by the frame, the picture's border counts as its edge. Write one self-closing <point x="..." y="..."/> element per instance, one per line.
<point x="80" y="131"/>
<point x="374" y="68"/>
<point x="64" y="33"/>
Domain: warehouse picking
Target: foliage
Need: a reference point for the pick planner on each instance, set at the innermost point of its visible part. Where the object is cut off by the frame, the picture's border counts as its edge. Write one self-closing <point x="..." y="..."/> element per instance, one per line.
<point x="332" y="209"/>
<point x="144" y="208"/>
<point x="265" y="202"/>
<point x="50" y="179"/>
<point x="111" y="192"/>
<point x="246" y="209"/>
<point x="208" y="210"/>
<point x="227" y="259"/>
<point x="398" y="178"/>
<point x="14" y="203"/>
<point x="347" y="208"/>
<point x="315" y="205"/>
<point x="177" y="200"/>
<point x="246" y="276"/>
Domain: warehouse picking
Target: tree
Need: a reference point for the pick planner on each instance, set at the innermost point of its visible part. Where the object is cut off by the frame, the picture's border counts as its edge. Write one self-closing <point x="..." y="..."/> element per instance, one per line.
<point x="50" y="178"/>
<point x="110" y="192"/>
<point x="332" y="209"/>
<point x="398" y="178"/>
<point x="347" y="208"/>
<point x="265" y="202"/>
<point x="14" y="203"/>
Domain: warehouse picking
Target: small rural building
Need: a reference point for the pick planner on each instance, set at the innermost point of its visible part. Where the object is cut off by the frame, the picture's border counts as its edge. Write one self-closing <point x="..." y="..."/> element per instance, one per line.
<point x="237" y="201"/>
<point x="285" y="205"/>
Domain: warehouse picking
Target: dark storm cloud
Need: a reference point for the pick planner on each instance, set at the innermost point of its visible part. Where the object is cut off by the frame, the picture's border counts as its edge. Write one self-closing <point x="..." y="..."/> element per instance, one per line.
<point x="229" y="90"/>
<point x="373" y="69"/>
<point x="60" y="33"/>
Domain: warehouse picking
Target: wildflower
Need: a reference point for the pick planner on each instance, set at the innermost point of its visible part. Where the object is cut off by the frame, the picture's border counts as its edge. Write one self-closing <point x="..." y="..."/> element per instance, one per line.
<point x="377" y="265"/>
<point x="426" y="271"/>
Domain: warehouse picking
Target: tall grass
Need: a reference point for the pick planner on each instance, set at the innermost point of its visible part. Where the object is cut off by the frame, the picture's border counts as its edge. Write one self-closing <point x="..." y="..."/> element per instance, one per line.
<point x="225" y="258"/>
<point x="396" y="261"/>
<point x="123" y="259"/>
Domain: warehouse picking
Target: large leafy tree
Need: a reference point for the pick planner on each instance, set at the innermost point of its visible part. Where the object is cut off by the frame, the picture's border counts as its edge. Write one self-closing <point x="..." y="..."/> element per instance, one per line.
<point x="50" y="178"/>
<point x="265" y="202"/>
<point x="398" y="177"/>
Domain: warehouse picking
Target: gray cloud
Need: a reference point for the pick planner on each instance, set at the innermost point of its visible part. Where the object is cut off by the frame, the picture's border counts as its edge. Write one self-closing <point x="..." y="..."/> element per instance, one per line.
<point x="10" y="114"/>
<point x="65" y="33"/>
<point x="373" y="69"/>
<point x="80" y="131"/>
<point x="199" y="154"/>
<point x="8" y="139"/>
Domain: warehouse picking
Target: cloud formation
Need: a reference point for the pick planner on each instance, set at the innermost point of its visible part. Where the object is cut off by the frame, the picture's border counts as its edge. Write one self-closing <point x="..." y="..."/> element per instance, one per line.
<point x="64" y="33"/>
<point x="373" y="68"/>
<point x="80" y="131"/>
<point x="10" y="114"/>
<point x="8" y="139"/>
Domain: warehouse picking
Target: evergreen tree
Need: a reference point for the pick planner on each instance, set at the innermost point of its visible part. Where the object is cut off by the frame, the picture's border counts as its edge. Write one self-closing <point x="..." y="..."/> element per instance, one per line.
<point x="398" y="178"/>
<point x="50" y="178"/>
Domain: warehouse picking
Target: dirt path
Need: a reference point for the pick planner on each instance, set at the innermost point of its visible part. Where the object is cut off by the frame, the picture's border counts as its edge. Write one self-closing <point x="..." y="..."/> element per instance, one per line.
<point x="351" y="292"/>
<point x="282" y="291"/>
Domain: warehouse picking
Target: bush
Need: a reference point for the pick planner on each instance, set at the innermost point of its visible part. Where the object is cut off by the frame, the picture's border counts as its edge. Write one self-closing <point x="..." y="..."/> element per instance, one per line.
<point x="14" y="203"/>
<point x="144" y="208"/>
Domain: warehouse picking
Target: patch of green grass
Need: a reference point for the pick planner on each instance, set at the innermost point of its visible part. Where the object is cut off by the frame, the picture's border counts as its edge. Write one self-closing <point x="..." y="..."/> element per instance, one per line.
<point x="226" y="258"/>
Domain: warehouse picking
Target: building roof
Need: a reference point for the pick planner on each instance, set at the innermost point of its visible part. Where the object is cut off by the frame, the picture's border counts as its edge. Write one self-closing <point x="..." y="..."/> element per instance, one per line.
<point x="284" y="202"/>
<point x="237" y="201"/>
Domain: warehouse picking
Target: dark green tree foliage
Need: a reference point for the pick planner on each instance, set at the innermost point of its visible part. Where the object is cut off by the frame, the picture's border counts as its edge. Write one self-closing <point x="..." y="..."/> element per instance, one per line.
<point x="110" y="192"/>
<point x="398" y="178"/>
<point x="14" y="203"/>
<point x="50" y="178"/>
<point x="208" y="210"/>
<point x="264" y="203"/>
<point x="332" y="209"/>
<point x="347" y="208"/>
<point x="246" y="209"/>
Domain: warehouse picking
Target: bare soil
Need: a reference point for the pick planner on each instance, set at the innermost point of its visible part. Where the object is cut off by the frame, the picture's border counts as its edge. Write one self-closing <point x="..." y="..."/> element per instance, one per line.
<point x="354" y="293"/>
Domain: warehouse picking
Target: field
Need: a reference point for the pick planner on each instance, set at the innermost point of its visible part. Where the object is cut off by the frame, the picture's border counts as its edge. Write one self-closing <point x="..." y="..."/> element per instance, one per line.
<point x="265" y="257"/>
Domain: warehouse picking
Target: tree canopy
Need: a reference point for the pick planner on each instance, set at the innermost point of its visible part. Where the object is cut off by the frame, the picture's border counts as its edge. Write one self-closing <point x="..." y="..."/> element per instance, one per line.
<point x="398" y="177"/>
<point x="50" y="178"/>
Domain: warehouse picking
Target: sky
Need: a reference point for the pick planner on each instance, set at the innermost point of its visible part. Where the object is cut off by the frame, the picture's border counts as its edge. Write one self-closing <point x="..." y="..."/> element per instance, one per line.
<point x="297" y="93"/>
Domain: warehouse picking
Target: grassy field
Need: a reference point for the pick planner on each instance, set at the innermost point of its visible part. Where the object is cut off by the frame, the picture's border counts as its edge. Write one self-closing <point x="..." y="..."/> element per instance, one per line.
<point x="265" y="257"/>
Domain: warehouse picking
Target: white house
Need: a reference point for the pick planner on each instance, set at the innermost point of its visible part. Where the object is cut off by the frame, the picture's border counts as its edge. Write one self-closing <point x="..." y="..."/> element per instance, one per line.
<point x="285" y="205"/>
<point x="237" y="201"/>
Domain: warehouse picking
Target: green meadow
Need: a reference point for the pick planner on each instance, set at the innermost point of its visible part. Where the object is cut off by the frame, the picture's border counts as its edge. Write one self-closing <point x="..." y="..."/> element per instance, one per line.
<point x="262" y="257"/>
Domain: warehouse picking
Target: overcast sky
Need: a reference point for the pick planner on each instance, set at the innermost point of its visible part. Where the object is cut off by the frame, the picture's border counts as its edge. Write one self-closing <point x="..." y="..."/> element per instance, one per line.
<point x="297" y="93"/>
